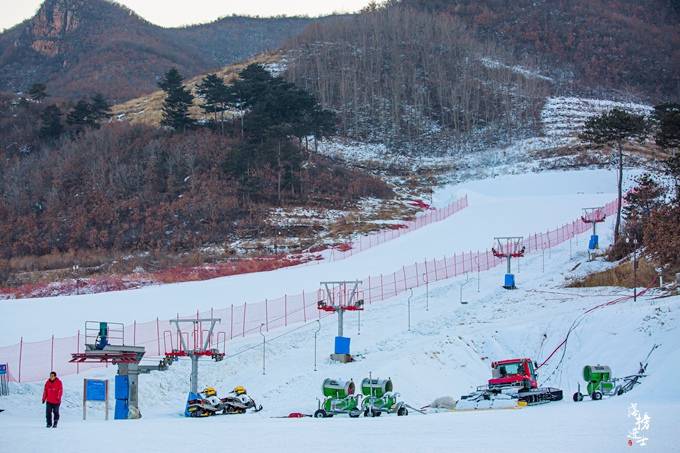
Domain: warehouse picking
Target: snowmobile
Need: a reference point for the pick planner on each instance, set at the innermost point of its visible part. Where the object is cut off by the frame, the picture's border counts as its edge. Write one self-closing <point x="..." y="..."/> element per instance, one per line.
<point x="513" y="385"/>
<point x="379" y="397"/>
<point x="236" y="402"/>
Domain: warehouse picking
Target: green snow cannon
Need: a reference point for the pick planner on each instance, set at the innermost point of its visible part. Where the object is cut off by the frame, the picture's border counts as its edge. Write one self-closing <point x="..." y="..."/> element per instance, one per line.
<point x="379" y="397"/>
<point x="339" y="398"/>
<point x="337" y="389"/>
<point x="376" y="387"/>
<point x="599" y="379"/>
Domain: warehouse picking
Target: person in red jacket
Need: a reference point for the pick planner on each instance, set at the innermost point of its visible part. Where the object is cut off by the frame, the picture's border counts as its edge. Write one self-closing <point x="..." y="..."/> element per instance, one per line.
<point x="52" y="397"/>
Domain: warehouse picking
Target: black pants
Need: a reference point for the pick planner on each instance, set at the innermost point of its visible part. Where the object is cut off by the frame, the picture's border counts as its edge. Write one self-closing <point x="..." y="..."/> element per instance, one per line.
<point x="49" y="410"/>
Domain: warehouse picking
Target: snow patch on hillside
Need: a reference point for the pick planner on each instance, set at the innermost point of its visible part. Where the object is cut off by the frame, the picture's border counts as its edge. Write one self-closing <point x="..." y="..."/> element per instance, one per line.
<point x="563" y="118"/>
<point x="517" y="69"/>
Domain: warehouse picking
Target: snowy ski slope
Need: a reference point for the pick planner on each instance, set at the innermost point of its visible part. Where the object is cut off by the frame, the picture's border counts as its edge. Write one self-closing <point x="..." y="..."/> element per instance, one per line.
<point x="509" y="205"/>
<point x="446" y="351"/>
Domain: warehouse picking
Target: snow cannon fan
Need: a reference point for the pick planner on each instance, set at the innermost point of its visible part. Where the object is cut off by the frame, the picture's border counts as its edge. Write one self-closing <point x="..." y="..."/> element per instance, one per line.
<point x="339" y="398"/>
<point x="600" y="383"/>
<point x="509" y="247"/>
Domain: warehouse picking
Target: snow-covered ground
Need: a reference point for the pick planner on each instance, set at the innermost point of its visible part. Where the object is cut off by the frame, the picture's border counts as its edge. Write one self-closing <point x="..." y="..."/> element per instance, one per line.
<point x="564" y="117"/>
<point x="507" y="205"/>
<point x="446" y="352"/>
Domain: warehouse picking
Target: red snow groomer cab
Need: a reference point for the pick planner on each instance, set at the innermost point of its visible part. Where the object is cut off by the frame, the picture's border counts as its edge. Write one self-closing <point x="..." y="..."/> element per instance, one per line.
<point x="513" y="373"/>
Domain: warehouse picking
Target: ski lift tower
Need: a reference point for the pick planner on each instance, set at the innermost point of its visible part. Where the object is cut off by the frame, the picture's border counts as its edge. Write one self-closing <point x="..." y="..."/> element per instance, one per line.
<point x="593" y="216"/>
<point x="341" y="296"/>
<point x="105" y="343"/>
<point x="509" y="247"/>
<point x="201" y="348"/>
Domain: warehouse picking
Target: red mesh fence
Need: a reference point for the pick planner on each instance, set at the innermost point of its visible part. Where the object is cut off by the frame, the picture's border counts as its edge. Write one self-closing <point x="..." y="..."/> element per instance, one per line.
<point x="365" y="242"/>
<point x="33" y="361"/>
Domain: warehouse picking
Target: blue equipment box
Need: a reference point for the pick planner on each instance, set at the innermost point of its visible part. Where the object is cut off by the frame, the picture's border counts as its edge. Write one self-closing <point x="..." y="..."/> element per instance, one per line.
<point x="509" y="281"/>
<point x="341" y="345"/>
<point x="122" y="387"/>
<point x="122" y="410"/>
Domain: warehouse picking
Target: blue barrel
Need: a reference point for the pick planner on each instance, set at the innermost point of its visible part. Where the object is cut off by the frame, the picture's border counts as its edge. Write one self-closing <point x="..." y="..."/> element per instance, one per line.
<point x="594" y="242"/>
<point x="341" y="345"/>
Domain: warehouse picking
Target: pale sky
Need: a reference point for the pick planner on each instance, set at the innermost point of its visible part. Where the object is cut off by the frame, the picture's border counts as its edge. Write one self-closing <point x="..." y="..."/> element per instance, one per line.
<point x="172" y="13"/>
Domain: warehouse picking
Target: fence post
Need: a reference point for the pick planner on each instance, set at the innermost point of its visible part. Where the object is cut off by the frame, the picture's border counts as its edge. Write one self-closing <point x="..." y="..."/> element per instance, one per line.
<point x="455" y="271"/>
<point x="158" y="335"/>
<point x="304" y="307"/>
<point x="395" y="283"/>
<point x="245" y="304"/>
<point x="403" y="270"/>
<point x="446" y="268"/>
<point x="21" y="353"/>
<point x="369" y="289"/>
<point x="382" y="288"/>
<point x="231" y="322"/>
<point x="78" y="350"/>
<point x="134" y="333"/>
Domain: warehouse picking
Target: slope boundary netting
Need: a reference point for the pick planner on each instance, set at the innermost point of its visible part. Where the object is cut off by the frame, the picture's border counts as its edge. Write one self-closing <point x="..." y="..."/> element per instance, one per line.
<point x="31" y="361"/>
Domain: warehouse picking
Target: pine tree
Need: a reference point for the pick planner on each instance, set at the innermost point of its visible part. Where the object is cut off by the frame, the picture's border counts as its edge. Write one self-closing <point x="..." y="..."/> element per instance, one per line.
<point x="216" y="96"/>
<point x="51" y="127"/>
<point x="615" y="128"/>
<point x="101" y="109"/>
<point x="82" y="116"/>
<point x="666" y="119"/>
<point x="37" y="92"/>
<point x="177" y="102"/>
<point x="646" y="197"/>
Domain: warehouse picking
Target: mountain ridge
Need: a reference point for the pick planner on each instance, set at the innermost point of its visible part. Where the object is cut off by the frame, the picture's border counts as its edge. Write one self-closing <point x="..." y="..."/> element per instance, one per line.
<point x="78" y="47"/>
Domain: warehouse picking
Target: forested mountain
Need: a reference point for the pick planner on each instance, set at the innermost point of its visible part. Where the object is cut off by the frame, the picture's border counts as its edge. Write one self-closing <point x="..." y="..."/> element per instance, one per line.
<point x="413" y="70"/>
<point x="623" y="46"/>
<point x="399" y="74"/>
<point x="78" y="47"/>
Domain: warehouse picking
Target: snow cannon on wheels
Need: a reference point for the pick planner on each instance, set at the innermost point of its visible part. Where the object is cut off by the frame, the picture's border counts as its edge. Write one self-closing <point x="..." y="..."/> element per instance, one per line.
<point x="514" y="384"/>
<point x="509" y="247"/>
<point x="593" y="216"/>
<point x="340" y="297"/>
<point x="339" y="398"/>
<point x="379" y="397"/>
<point x="600" y="383"/>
